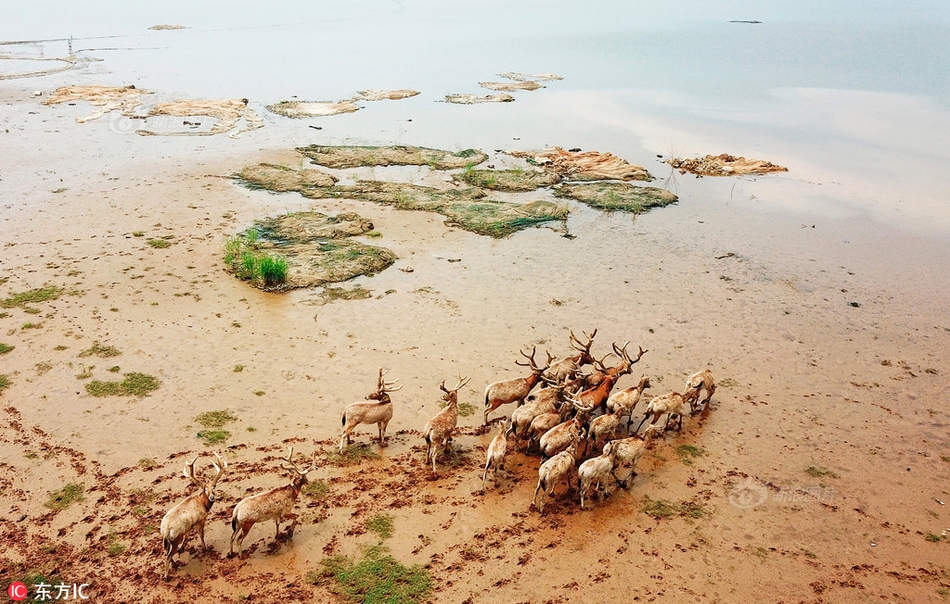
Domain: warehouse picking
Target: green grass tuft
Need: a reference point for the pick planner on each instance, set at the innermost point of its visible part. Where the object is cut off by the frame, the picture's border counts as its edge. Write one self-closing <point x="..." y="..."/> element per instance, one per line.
<point x="159" y="243"/>
<point x="382" y="525"/>
<point x="42" y="294"/>
<point x="63" y="498"/>
<point x="352" y="455"/>
<point x="134" y="384"/>
<point x="213" y="437"/>
<point x="376" y="579"/>
<point x="101" y="351"/>
<point x="316" y="489"/>
<point x="688" y="453"/>
<point x="4" y="382"/>
<point x="820" y="472"/>
<point x="5" y="348"/>
<point x="660" y="508"/>
<point x="215" y="419"/>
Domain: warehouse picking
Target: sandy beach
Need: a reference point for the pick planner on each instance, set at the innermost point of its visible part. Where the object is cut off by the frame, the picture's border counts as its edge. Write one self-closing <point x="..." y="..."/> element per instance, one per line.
<point x="817" y="297"/>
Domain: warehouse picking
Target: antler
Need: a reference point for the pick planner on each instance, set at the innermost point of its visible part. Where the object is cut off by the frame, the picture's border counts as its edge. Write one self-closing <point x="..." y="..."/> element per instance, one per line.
<point x="600" y="364"/>
<point x="462" y="381"/>
<point x="531" y="362"/>
<point x="384" y="386"/>
<point x="189" y="472"/>
<point x="623" y="354"/>
<point x="220" y="466"/>
<point x="290" y="465"/>
<point x="578" y="346"/>
<point x="578" y="404"/>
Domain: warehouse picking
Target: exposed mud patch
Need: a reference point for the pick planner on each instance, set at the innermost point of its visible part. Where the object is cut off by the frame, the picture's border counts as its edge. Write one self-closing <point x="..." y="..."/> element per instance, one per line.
<point x="511" y="86"/>
<point x="226" y="112"/>
<point x="584" y="165"/>
<point x="317" y="249"/>
<point x="125" y="99"/>
<point x="523" y="77"/>
<point x="353" y="157"/>
<point x="385" y="95"/>
<point x="617" y="196"/>
<point x="472" y="99"/>
<point x="281" y="179"/>
<point x="724" y="165"/>
<point x="299" y="109"/>
<point x="508" y="180"/>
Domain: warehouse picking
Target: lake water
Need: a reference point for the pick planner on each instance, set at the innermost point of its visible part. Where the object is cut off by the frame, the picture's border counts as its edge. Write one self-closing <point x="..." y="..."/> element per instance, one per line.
<point x="854" y="97"/>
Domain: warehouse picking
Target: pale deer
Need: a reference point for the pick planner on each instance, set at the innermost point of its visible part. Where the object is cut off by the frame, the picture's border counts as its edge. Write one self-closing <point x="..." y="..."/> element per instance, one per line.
<point x="697" y="382"/>
<point x="378" y="413"/>
<point x="671" y="403"/>
<point x="564" y="369"/>
<point x="276" y="504"/>
<point x="193" y="511"/>
<point x="552" y="472"/>
<point x="495" y="456"/>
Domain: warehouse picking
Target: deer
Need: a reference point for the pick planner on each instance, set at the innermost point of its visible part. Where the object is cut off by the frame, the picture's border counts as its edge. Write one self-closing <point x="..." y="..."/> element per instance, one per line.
<point x="628" y="451"/>
<point x="544" y="401"/>
<point x="495" y="456"/>
<point x="275" y="504"/>
<point x="597" y="396"/>
<point x="672" y="403"/>
<point x="552" y="472"/>
<point x="619" y="404"/>
<point x="595" y="472"/>
<point x="193" y="511"/>
<point x="515" y="389"/>
<point x="378" y="413"/>
<point x="695" y="383"/>
<point x="561" y="436"/>
<point x="566" y="368"/>
<point x="438" y="430"/>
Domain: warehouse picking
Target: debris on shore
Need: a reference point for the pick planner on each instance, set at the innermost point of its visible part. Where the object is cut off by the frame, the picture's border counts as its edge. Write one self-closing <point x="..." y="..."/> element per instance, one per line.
<point x="723" y="165"/>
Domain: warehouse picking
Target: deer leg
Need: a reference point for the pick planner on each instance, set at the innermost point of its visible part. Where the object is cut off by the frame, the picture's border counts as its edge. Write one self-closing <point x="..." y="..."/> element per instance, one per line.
<point x="201" y="532"/>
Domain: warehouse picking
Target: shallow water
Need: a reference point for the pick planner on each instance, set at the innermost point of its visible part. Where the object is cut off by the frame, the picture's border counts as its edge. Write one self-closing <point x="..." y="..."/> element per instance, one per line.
<point x="853" y="98"/>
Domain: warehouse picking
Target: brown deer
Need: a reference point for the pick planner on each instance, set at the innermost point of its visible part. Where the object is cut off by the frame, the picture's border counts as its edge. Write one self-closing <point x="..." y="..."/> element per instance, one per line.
<point x="193" y="511"/>
<point x="438" y="430"/>
<point x="513" y="390"/>
<point x="276" y="504"/>
<point x="564" y="369"/>
<point x="598" y="395"/>
<point x="378" y="413"/>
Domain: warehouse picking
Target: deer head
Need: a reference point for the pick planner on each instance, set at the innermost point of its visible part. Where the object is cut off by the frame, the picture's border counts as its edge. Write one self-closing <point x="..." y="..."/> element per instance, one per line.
<point x="299" y="476"/>
<point x="626" y="363"/>
<point x="531" y="362"/>
<point x="207" y="486"/>
<point x="452" y="396"/>
<point x="383" y="388"/>
<point x="585" y="358"/>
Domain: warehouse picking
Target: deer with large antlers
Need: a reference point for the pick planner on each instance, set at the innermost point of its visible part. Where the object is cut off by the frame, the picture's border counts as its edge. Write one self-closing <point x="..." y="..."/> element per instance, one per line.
<point x="276" y="504"/>
<point x="193" y="511"/>
<point x="564" y="369"/>
<point x="597" y="396"/>
<point x="438" y="430"/>
<point x="379" y="412"/>
<point x="513" y="390"/>
<point x="561" y="436"/>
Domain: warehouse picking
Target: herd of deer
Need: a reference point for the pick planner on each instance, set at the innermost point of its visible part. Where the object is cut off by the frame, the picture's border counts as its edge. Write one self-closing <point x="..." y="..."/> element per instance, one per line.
<point x="558" y="419"/>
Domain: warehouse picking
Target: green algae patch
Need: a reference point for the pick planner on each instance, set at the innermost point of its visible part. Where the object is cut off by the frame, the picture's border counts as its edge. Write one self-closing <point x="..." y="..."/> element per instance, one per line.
<point x="617" y="196"/>
<point x="405" y="196"/>
<point x="499" y="219"/>
<point x="345" y="156"/>
<point x="304" y="227"/>
<point x="514" y="180"/>
<point x="315" y="248"/>
<point x="281" y="179"/>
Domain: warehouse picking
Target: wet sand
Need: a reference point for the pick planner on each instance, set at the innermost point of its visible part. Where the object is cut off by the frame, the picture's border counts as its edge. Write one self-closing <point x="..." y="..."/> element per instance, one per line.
<point x="825" y="456"/>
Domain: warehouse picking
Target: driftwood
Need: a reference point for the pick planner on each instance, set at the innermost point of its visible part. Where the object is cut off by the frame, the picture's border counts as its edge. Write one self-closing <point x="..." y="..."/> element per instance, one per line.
<point x="724" y="165"/>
